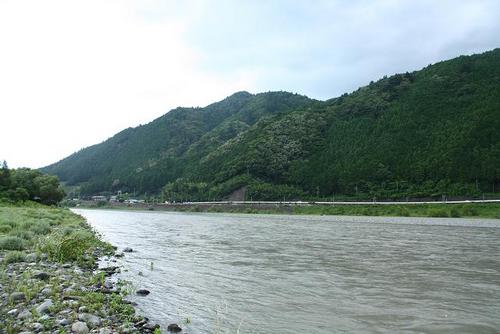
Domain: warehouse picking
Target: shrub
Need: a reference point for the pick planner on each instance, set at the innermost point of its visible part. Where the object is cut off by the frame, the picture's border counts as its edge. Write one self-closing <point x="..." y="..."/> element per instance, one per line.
<point x="11" y="243"/>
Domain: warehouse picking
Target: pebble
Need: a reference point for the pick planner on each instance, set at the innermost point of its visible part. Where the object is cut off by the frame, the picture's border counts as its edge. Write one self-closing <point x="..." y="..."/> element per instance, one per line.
<point x="79" y="328"/>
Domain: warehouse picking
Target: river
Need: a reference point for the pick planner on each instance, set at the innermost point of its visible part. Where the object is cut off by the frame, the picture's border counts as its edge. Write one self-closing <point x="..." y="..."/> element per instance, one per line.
<point x="229" y="273"/>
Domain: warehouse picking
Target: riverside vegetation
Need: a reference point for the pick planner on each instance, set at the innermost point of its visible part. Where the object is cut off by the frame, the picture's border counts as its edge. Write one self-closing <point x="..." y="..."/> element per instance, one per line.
<point x="466" y="210"/>
<point x="422" y="134"/>
<point x="49" y="279"/>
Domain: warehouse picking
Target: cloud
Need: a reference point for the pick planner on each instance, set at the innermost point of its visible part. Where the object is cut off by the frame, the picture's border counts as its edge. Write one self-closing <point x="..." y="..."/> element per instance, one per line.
<point x="73" y="73"/>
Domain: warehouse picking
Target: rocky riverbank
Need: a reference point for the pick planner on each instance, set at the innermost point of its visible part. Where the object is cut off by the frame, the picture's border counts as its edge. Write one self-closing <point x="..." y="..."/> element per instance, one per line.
<point x="45" y="287"/>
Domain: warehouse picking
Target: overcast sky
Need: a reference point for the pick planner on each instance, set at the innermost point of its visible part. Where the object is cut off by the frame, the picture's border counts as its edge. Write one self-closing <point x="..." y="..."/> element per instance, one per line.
<point x="73" y="73"/>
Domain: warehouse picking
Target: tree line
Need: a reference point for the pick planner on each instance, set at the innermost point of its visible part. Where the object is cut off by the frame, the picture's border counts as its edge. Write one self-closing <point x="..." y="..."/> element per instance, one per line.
<point x="25" y="184"/>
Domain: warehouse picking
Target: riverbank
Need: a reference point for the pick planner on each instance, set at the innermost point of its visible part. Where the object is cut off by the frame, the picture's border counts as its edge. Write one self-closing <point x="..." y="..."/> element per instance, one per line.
<point x="453" y="210"/>
<point x="50" y="280"/>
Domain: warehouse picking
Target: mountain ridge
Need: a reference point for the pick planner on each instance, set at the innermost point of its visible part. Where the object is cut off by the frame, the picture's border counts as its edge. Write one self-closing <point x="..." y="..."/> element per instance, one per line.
<point x="404" y="135"/>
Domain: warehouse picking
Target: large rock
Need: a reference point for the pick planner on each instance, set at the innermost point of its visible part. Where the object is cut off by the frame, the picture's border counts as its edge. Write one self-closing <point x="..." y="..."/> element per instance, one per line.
<point x="79" y="328"/>
<point x="92" y="320"/>
<point x="44" y="307"/>
<point x="25" y="315"/>
<point x="41" y="275"/>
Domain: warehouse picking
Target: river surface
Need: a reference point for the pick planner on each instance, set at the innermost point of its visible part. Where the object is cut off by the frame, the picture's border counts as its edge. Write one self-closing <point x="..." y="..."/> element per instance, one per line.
<point x="227" y="273"/>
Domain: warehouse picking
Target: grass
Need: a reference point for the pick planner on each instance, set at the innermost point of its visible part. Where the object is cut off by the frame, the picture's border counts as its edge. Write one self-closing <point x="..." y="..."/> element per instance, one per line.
<point x="62" y="235"/>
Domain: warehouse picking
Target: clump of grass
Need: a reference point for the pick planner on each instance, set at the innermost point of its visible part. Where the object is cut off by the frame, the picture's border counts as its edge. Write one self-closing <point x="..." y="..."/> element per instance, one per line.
<point x="66" y="248"/>
<point x="11" y="243"/>
<point x="14" y="257"/>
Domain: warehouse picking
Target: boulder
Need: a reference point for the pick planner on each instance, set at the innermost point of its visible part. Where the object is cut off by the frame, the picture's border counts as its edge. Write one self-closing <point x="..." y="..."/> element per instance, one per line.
<point x="17" y="297"/>
<point x="41" y="275"/>
<point x="174" y="328"/>
<point x="143" y="292"/>
<point x="44" y="307"/>
<point x="79" y="328"/>
<point x="92" y="320"/>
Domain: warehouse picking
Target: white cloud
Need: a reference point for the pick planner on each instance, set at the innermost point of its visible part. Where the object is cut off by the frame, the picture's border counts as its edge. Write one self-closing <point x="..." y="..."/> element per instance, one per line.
<point x="74" y="73"/>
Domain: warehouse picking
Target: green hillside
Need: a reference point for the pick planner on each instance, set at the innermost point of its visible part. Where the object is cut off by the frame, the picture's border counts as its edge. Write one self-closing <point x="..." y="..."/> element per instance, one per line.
<point x="427" y="133"/>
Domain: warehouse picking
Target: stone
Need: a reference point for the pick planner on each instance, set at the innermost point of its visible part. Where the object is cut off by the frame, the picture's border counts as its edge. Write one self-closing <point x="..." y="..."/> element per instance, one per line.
<point x="174" y="328"/>
<point x="143" y="292"/>
<point x="44" y="307"/>
<point x="104" y="331"/>
<point x="90" y="319"/>
<point x="25" y="315"/>
<point x="83" y="309"/>
<point x="41" y="275"/>
<point x="62" y="322"/>
<point x="37" y="327"/>
<point x="31" y="257"/>
<point x="17" y="296"/>
<point x="79" y="328"/>
<point x="13" y="312"/>
<point x="128" y="250"/>
<point x="46" y="291"/>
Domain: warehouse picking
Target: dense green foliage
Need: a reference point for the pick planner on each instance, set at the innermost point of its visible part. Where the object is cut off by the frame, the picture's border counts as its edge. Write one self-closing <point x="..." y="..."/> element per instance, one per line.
<point x="25" y="184"/>
<point x="428" y="133"/>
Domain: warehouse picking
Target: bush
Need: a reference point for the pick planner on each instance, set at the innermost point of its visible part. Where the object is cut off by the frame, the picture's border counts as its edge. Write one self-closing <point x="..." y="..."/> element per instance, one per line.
<point x="11" y="243"/>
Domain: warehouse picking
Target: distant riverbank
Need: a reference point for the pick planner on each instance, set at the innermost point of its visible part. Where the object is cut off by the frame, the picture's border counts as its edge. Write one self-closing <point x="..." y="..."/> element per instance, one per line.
<point x="439" y="209"/>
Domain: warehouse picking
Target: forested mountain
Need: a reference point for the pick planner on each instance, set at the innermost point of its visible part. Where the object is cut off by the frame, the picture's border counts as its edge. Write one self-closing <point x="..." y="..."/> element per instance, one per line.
<point x="427" y="133"/>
